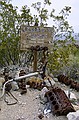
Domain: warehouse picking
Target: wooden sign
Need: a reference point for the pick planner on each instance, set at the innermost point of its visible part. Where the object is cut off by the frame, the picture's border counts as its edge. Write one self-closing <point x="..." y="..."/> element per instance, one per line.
<point x="35" y="35"/>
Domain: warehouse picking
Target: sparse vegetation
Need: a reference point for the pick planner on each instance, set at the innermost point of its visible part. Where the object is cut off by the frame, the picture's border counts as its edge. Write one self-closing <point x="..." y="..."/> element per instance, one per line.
<point x="63" y="53"/>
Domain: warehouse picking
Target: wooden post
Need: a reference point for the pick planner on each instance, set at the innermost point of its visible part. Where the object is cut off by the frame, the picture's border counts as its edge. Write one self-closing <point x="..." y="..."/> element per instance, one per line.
<point x="35" y="61"/>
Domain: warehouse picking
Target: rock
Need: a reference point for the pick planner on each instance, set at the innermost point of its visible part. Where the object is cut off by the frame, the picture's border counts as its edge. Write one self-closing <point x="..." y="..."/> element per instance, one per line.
<point x="72" y="95"/>
<point x="21" y="118"/>
<point x="47" y="111"/>
<point x="14" y="86"/>
<point x="55" y="79"/>
<point x="2" y="80"/>
<point x="73" y="115"/>
<point x="47" y="82"/>
<point x="41" y="116"/>
<point x="27" y="86"/>
<point x="76" y="107"/>
<point x="42" y="94"/>
<point x="18" y="119"/>
<point x="23" y="92"/>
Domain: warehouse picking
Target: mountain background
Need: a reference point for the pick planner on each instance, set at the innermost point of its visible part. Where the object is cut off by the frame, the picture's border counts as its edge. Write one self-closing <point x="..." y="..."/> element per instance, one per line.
<point x="62" y="37"/>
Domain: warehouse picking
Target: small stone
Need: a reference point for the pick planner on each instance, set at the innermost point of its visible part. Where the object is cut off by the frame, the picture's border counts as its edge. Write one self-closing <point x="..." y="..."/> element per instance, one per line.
<point x="23" y="92"/>
<point x="19" y="103"/>
<point x="18" y="119"/>
<point x="56" y="79"/>
<point x="23" y="103"/>
<point x="41" y="116"/>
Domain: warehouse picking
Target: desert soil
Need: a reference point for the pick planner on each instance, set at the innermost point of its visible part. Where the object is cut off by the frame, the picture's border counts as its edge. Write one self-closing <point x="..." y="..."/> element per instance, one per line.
<point x="29" y="106"/>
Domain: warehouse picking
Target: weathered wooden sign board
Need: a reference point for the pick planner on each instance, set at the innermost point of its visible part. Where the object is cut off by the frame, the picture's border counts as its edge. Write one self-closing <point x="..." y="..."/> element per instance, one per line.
<point x="35" y="35"/>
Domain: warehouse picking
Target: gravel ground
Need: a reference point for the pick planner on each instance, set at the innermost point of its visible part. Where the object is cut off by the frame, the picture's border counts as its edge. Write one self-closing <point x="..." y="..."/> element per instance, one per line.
<point x="29" y="106"/>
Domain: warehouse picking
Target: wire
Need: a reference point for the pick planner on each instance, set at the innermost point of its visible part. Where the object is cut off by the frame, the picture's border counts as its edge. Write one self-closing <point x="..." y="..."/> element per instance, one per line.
<point x="3" y="91"/>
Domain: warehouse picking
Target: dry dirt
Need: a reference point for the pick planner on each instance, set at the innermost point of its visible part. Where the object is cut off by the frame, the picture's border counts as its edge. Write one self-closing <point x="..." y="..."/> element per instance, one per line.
<point x="29" y="106"/>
